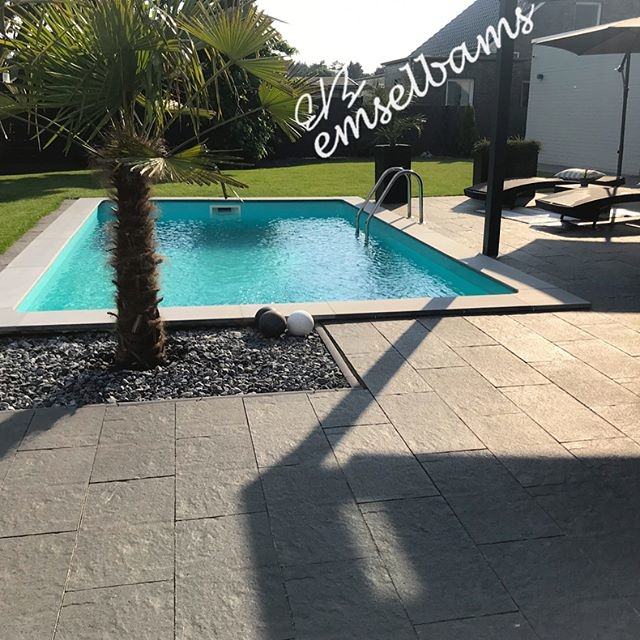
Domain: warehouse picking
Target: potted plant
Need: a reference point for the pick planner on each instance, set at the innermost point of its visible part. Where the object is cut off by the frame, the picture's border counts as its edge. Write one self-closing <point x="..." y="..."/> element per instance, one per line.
<point x="392" y="150"/>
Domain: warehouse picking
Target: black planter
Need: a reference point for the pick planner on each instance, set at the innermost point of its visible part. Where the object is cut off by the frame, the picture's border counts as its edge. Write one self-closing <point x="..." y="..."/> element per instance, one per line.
<point x="387" y="156"/>
<point x="520" y="163"/>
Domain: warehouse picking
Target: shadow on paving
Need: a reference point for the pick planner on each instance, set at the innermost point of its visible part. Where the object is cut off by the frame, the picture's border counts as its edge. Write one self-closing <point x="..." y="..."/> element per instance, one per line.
<point x="373" y="542"/>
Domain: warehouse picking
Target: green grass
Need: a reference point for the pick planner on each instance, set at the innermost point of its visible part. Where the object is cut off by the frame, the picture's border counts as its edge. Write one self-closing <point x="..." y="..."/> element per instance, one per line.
<point x="24" y="199"/>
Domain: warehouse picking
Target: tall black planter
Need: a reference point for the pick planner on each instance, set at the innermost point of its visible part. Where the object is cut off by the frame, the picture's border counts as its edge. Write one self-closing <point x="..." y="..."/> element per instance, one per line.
<point x="387" y="156"/>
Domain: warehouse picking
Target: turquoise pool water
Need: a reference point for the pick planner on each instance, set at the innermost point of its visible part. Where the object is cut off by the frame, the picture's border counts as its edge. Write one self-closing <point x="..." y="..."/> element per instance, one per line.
<point x="272" y="251"/>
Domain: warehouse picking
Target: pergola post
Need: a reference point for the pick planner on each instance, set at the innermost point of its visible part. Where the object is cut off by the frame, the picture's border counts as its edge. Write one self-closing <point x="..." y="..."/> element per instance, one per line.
<point x="498" y="152"/>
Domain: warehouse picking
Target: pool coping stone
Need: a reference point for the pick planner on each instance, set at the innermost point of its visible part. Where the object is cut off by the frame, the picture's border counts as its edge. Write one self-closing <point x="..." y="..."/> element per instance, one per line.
<point x="23" y="272"/>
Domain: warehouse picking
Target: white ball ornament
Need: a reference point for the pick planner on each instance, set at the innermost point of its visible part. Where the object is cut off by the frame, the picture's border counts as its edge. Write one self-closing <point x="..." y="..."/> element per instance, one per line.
<point x="300" y="324"/>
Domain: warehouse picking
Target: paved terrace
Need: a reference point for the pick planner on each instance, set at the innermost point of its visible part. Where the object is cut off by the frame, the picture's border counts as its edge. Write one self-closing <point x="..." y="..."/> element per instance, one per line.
<point x="484" y="486"/>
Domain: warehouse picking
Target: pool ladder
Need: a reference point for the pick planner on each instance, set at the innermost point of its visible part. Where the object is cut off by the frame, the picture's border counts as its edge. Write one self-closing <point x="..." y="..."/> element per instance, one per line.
<point x="398" y="172"/>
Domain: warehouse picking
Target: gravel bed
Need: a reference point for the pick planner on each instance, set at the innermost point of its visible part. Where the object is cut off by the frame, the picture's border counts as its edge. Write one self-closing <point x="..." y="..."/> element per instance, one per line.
<point x="77" y="369"/>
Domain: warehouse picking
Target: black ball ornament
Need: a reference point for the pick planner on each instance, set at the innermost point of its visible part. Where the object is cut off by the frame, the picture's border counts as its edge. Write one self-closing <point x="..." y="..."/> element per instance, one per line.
<point x="272" y="324"/>
<point x="259" y="315"/>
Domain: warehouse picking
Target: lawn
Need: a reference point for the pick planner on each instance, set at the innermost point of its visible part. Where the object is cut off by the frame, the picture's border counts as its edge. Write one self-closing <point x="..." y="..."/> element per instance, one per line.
<point x="24" y="199"/>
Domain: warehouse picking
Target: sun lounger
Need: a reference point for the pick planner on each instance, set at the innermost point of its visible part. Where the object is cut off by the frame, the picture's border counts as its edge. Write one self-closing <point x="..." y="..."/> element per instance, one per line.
<point x="518" y="188"/>
<point x="588" y="203"/>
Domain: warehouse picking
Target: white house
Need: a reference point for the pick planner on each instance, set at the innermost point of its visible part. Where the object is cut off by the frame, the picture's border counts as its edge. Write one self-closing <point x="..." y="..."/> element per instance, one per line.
<point x="575" y="110"/>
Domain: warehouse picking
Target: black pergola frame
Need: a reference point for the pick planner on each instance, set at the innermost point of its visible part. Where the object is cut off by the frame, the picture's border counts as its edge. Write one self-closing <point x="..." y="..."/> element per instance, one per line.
<point x="498" y="152"/>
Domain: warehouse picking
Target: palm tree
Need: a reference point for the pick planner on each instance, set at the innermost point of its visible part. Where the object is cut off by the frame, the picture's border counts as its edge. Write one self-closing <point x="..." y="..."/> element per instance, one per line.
<point x="113" y="76"/>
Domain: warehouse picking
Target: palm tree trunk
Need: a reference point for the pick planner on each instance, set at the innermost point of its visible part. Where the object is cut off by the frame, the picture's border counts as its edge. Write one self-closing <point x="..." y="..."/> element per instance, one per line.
<point x="140" y="329"/>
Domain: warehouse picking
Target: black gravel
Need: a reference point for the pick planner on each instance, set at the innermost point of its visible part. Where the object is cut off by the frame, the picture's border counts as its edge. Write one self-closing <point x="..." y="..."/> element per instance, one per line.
<point x="78" y="369"/>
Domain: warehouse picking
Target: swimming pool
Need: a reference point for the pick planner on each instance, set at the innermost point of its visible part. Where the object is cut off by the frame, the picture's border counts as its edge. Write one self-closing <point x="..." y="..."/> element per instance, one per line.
<point x="259" y="252"/>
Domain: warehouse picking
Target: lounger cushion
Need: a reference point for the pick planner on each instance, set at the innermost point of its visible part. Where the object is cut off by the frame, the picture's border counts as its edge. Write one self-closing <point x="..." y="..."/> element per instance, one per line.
<point x="578" y="174"/>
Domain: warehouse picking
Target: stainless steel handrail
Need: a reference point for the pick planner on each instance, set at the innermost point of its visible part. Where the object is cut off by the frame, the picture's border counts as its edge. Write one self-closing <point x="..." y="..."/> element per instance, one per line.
<point x="404" y="172"/>
<point x="375" y="188"/>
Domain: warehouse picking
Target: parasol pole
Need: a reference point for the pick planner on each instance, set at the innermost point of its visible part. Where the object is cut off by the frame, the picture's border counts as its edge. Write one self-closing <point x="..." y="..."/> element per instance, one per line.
<point x="625" y="69"/>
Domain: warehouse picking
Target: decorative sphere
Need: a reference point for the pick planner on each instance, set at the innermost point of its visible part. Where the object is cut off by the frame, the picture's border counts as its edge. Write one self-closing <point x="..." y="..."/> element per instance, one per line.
<point x="259" y="315"/>
<point x="300" y="323"/>
<point x="272" y="324"/>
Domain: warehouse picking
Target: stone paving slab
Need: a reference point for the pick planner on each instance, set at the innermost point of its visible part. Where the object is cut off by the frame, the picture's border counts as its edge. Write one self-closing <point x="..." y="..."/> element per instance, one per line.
<point x="141" y="611"/>
<point x="133" y="461"/>
<point x="584" y="383"/>
<point x="388" y="373"/>
<point x="624" y="338"/>
<point x="500" y="367"/>
<point x="57" y="428"/>
<point x="421" y="348"/>
<point x="559" y="414"/>
<point x="552" y="327"/>
<point x="604" y="358"/>
<point x="347" y="408"/>
<point x="358" y="596"/>
<point x="212" y="417"/>
<point x="123" y="555"/>
<point x="428" y="425"/>
<point x="33" y="508"/>
<point x="457" y="332"/>
<point x="467" y="392"/>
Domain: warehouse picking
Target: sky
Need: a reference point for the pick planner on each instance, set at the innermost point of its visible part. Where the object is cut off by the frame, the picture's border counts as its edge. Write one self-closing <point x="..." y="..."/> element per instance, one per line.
<point x="365" y="31"/>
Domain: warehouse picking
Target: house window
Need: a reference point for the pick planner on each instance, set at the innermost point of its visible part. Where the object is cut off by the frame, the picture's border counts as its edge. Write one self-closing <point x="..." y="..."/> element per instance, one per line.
<point x="524" y="94"/>
<point x="588" y="14"/>
<point x="459" y="93"/>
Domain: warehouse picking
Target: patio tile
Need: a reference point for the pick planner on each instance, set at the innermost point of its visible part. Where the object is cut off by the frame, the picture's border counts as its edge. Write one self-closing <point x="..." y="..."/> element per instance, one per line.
<point x="507" y="626"/>
<point x="427" y="424"/>
<point x="277" y="445"/>
<point x="457" y="332"/>
<point x="614" y="456"/>
<point x="528" y="451"/>
<point x="617" y="557"/>
<point x="356" y="595"/>
<point x="227" y="604"/>
<point x="139" y="424"/>
<point x="204" y="546"/>
<point x="489" y="502"/>
<point x="619" y="336"/>
<point x="141" y="611"/>
<point x="51" y="467"/>
<point x="209" y="493"/>
<point x="13" y="426"/>
<point x="604" y="358"/>
<point x="422" y="348"/>
<point x="590" y="507"/>
<point x="415" y="527"/>
<point x="54" y="428"/>
<point x="500" y="367"/>
<point x="347" y="408"/>
<point x="544" y="572"/>
<point x="122" y="555"/>
<point x="321" y="534"/>
<point x="32" y="577"/>
<point x="625" y="417"/>
<point x="210" y="417"/>
<point x="293" y="410"/>
<point x="378" y="465"/>
<point x="560" y="414"/>
<point x="520" y="340"/>
<point x="358" y="338"/>
<point x="232" y="451"/>
<point x="586" y="620"/>
<point x="115" y="504"/>
<point x="129" y="462"/>
<point x="550" y="326"/>
<point x="388" y="373"/>
<point x="467" y="392"/>
<point x="454" y="583"/>
<point x="586" y="384"/>
<point x="33" y="508"/>
<point x="300" y="486"/>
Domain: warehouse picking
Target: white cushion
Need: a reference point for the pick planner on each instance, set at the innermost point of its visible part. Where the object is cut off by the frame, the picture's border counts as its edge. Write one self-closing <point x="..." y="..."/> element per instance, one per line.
<point x="578" y="174"/>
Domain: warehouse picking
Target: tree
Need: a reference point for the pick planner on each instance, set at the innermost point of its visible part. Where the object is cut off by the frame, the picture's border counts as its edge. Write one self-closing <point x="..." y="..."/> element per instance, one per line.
<point x="113" y="76"/>
<point x="355" y="70"/>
